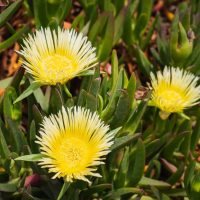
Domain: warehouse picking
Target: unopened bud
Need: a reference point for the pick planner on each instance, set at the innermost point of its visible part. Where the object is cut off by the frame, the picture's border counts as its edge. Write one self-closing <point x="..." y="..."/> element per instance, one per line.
<point x="180" y="45"/>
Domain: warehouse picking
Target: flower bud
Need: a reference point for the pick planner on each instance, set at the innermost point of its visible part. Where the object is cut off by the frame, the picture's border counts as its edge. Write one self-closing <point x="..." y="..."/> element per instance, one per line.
<point x="180" y="45"/>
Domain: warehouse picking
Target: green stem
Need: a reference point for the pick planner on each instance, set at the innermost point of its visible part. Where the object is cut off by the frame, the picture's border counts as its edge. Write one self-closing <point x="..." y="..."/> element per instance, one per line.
<point x="63" y="190"/>
<point x="67" y="91"/>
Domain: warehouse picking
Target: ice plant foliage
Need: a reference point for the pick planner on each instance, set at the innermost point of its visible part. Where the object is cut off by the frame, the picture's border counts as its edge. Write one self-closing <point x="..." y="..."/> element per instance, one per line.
<point x="174" y="89"/>
<point x="73" y="142"/>
<point x="57" y="56"/>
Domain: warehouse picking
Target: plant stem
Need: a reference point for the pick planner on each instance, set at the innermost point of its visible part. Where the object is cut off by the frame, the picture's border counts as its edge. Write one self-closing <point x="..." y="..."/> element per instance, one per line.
<point x="63" y="190"/>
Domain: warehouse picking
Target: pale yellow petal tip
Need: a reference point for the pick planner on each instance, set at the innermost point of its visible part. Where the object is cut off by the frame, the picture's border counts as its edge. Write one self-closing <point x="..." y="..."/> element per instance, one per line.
<point x="73" y="143"/>
<point x="57" y="56"/>
<point x="174" y="90"/>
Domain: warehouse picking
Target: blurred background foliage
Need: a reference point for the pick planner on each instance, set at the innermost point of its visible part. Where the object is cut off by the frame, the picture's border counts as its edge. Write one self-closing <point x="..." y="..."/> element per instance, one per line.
<point x="152" y="158"/>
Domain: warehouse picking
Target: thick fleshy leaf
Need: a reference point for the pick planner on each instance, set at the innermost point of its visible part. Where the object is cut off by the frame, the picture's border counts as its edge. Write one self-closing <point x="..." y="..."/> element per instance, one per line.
<point x="4" y="150"/>
<point x="135" y="118"/>
<point x="34" y="86"/>
<point x="136" y="165"/>
<point x="11" y="111"/>
<point x="123" y="169"/>
<point x="11" y="40"/>
<point x="9" y="11"/>
<point x="86" y="193"/>
<point x="124" y="141"/>
<point x="10" y="186"/>
<point x="30" y="158"/>
<point x="106" y="45"/>
<point x="152" y="182"/>
<point x="122" y="191"/>
<point x="108" y="111"/>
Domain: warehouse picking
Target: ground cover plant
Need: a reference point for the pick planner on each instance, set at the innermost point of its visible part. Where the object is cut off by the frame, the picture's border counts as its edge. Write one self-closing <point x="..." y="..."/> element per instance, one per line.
<point x="99" y="99"/>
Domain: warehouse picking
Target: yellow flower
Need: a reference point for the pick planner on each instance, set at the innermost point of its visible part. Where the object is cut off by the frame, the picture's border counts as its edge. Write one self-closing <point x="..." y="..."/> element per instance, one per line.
<point x="73" y="142"/>
<point x="174" y="90"/>
<point x="57" y="56"/>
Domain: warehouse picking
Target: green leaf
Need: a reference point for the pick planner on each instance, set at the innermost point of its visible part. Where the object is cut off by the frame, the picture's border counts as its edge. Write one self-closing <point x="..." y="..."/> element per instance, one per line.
<point x="105" y="86"/>
<point x="115" y="131"/>
<point x="97" y="27"/>
<point x="173" y="145"/>
<point x="91" y="102"/>
<point x="119" y="20"/>
<point x="17" y="78"/>
<point x="137" y="163"/>
<point x="60" y="12"/>
<point x="154" y="146"/>
<point x="143" y="62"/>
<point x="28" y="91"/>
<point x="13" y="80"/>
<point x="9" y="11"/>
<point x="107" y="42"/>
<point x="32" y="137"/>
<point x="119" y="5"/>
<point x="122" y="172"/>
<point x="140" y="25"/>
<point x="114" y="70"/>
<point x="131" y="89"/>
<point x="11" y="40"/>
<point x="10" y="186"/>
<point x="37" y="115"/>
<point x="163" y="49"/>
<point x="11" y="111"/>
<point x="145" y="7"/>
<point x="100" y="103"/>
<point x="86" y="193"/>
<point x="4" y="150"/>
<point x="16" y="135"/>
<point x="95" y="86"/>
<point x="128" y="23"/>
<point x="180" y="45"/>
<point x="121" y="142"/>
<point x="40" y="98"/>
<point x="30" y="158"/>
<point x="135" y="118"/>
<point x="108" y="111"/>
<point x="157" y="193"/>
<point x="76" y="22"/>
<point x="195" y="187"/>
<point x="176" y="193"/>
<point x="5" y="82"/>
<point x="175" y="177"/>
<point x="122" y="191"/>
<point x="40" y="13"/>
<point x="122" y="110"/>
<point x="28" y="196"/>
<point x="185" y="145"/>
<point x="152" y="182"/>
<point x="87" y="73"/>
<point x="189" y="174"/>
<point x="81" y="98"/>
<point x="56" y="100"/>
<point x="145" y="41"/>
<point x="144" y="13"/>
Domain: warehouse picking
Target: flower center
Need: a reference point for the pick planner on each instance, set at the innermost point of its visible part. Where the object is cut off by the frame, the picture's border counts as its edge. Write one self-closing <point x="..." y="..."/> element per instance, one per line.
<point x="171" y="100"/>
<point x="72" y="153"/>
<point x="171" y="96"/>
<point x="55" y="67"/>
